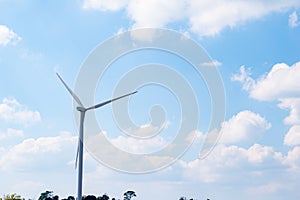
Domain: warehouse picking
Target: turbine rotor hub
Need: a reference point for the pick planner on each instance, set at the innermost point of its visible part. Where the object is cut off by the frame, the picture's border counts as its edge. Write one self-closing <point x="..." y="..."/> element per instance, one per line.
<point x="81" y="109"/>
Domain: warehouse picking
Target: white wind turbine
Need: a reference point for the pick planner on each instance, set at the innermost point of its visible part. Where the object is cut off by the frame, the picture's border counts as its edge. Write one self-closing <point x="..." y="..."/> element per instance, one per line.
<point x="82" y="111"/>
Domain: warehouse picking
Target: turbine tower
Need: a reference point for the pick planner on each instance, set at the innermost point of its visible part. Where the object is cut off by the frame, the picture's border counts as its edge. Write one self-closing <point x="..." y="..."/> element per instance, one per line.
<point x="82" y="111"/>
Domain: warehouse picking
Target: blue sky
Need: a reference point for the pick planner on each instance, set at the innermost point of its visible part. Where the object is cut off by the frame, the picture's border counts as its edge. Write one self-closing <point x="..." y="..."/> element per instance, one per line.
<point x="255" y="46"/>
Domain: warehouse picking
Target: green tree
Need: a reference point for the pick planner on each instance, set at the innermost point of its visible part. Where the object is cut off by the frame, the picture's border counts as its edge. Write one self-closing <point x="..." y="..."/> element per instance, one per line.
<point x="90" y="197"/>
<point x="103" y="197"/>
<point x="71" y="198"/>
<point x="45" y="195"/>
<point x="129" y="194"/>
<point x="13" y="197"/>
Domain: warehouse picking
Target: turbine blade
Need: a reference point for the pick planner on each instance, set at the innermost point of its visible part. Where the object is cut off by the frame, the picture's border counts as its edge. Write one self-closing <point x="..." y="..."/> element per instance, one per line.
<point x="71" y="92"/>
<point x="76" y="159"/>
<point x="109" y="101"/>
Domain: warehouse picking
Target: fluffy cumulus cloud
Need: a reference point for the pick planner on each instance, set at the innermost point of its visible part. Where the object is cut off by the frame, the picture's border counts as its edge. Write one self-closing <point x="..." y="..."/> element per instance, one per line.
<point x="10" y="132"/>
<point x="7" y="36"/>
<point x="230" y="162"/>
<point x="14" y="112"/>
<point x="258" y="154"/>
<point x="292" y="104"/>
<point x="281" y="82"/>
<point x="210" y="17"/>
<point x="293" y="20"/>
<point x="292" y="137"/>
<point x="38" y="153"/>
<point x="226" y="162"/>
<point x="204" y="17"/>
<point x="293" y="159"/>
<point x="254" y="166"/>
<point x="244" y="77"/>
<point x="142" y="12"/>
<point x="245" y="126"/>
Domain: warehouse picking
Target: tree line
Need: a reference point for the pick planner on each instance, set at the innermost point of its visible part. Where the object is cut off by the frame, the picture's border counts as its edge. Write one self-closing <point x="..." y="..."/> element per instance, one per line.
<point x="48" y="195"/>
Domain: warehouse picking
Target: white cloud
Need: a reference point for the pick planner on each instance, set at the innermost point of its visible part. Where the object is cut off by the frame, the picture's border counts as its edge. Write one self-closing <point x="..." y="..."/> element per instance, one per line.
<point x="293" y="104"/>
<point x="259" y="154"/>
<point x="246" y="126"/>
<point x="120" y="31"/>
<point x="10" y="132"/>
<point x="155" y="13"/>
<point x="243" y="129"/>
<point x="14" y="112"/>
<point x="226" y="164"/>
<point x="147" y="130"/>
<point x="196" y="137"/>
<point x="204" y="17"/>
<point x="293" y="20"/>
<point x="139" y="146"/>
<point x="213" y="63"/>
<point x="292" y="137"/>
<point x="281" y="82"/>
<point x="144" y="131"/>
<point x="293" y="158"/>
<point x="104" y="5"/>
<point x="145" y="35"/>
<point x="266" y="188"/>
<point x="2" y="136"/>
<point x="211" y="17"/>
<point x="7" y="36"/>
<point x="14" y="132"/>
<point x="142" y="140"/>
<point x="37" y="153"/>
<point x="198" y="171"/>
<point x="232" y="163"/>
<point x="244" y="77"/>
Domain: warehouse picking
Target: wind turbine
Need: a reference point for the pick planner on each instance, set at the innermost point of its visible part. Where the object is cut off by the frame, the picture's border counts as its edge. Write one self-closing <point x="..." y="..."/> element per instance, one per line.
<point x="82" y="111"/>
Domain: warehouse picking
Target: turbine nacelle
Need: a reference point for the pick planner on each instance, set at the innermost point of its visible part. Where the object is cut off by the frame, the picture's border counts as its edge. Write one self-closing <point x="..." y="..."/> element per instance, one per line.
<point x="81" y="109"/>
